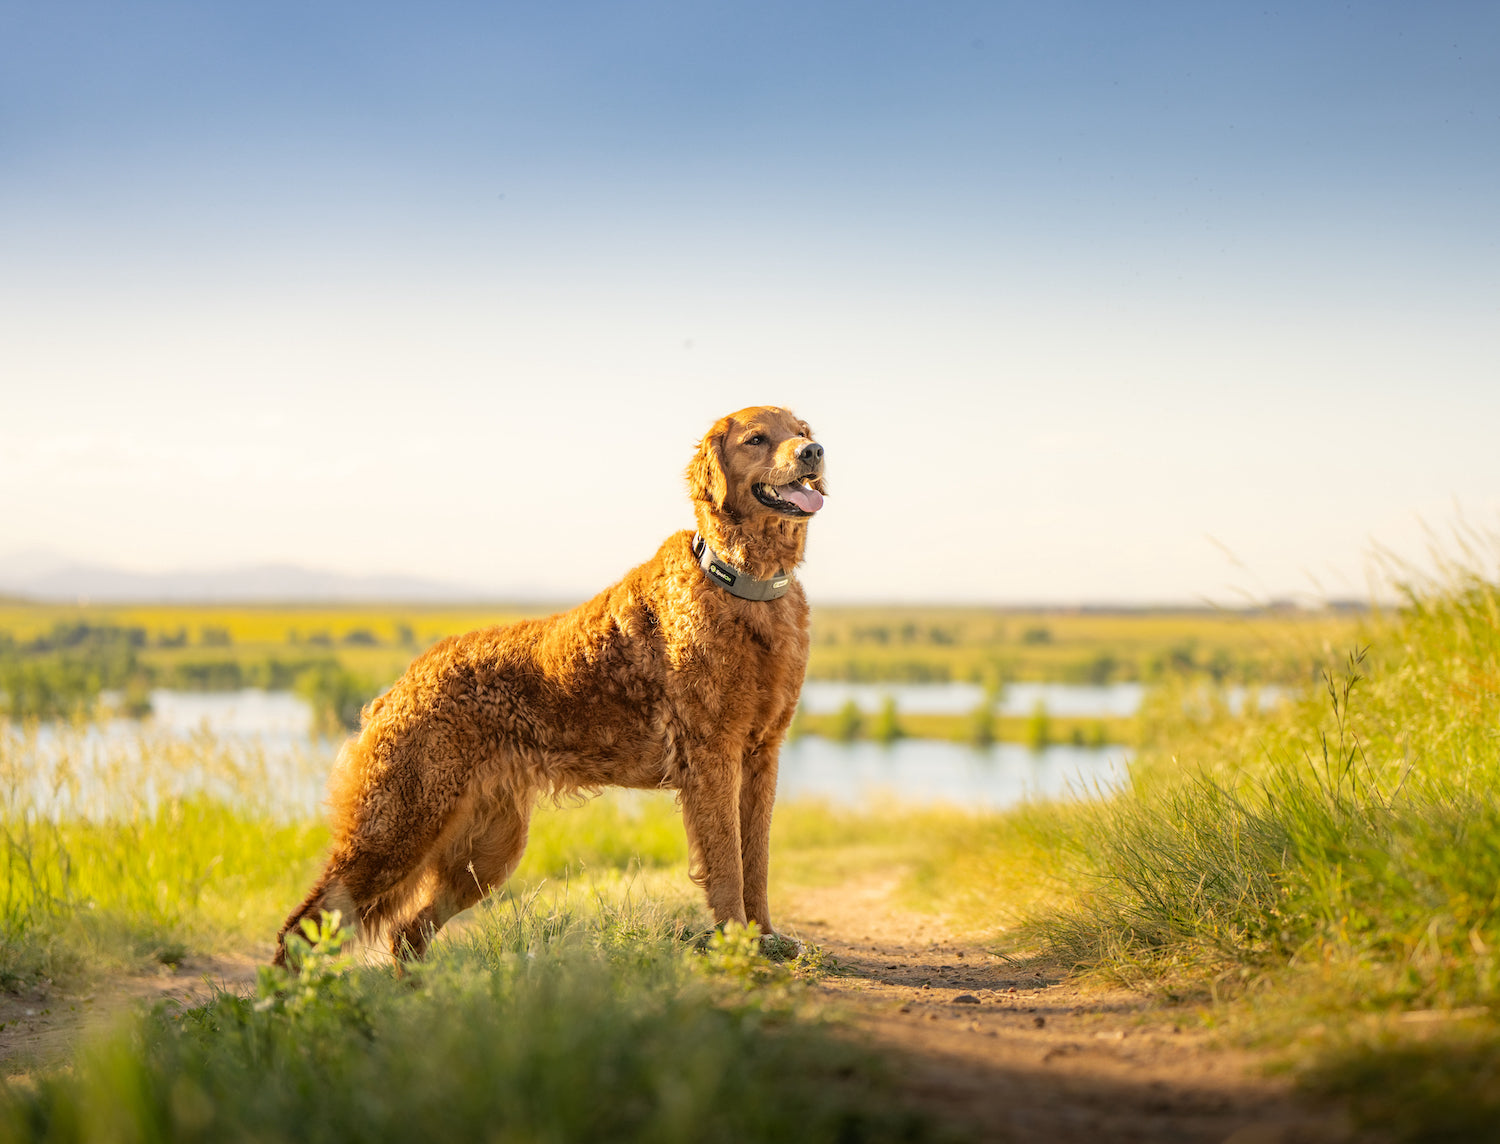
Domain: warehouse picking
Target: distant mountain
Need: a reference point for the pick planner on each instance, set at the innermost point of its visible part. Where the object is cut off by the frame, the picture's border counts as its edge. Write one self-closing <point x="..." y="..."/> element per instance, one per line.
<point x="39" y="576"/>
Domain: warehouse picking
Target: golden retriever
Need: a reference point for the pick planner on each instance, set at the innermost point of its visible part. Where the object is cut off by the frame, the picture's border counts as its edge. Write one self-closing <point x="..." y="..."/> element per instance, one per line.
<point x="684" y="676"/>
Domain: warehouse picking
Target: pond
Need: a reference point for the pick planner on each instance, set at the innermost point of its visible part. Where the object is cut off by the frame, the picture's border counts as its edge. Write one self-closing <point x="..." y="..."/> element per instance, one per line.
<point x="213" y="740"/>
<point x="1071" y="700"/>
<point x="822" y="697"/>
<point x="928" y="771"/>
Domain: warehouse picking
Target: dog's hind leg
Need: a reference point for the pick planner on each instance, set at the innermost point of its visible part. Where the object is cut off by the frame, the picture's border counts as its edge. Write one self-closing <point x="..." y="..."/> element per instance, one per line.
<point x="465" y="865"/>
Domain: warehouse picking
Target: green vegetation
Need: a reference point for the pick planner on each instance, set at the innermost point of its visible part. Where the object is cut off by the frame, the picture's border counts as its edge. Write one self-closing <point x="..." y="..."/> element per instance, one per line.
<point x="898" y="644"/>
<point x="1324" y="875"/>
<point x="887" y="725"/>
<point x="979" y="729"/>
<point x="1039" y="728"/>
<point x="546" y="1022"/>
<point x="55" y="660"/>
<point x="59" y="673"/>
<point x="848" y="723"/>
<point x="64" y="674"/>
<point x="111" y="870"/>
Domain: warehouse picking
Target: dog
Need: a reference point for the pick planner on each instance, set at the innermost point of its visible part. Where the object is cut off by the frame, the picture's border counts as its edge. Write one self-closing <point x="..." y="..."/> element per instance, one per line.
<point x="683" y="676"/>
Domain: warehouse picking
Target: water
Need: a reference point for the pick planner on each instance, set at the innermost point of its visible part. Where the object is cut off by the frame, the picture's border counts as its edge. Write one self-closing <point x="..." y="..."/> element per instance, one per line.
<point x="820" y="697"/>
<point x="1075" y="700"/>
<point x="270" y="734"/>
<point x="246" y="747"/>
<point x="930" y="771"/>
<point x="271" y="716"/>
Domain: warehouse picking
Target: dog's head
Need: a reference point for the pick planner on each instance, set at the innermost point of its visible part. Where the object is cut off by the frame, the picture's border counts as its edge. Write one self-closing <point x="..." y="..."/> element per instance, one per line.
<point x="760" y="460"/>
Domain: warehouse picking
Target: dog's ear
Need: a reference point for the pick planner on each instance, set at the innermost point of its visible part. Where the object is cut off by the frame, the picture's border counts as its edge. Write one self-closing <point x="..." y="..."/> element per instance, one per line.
<point x="706" y="479"/>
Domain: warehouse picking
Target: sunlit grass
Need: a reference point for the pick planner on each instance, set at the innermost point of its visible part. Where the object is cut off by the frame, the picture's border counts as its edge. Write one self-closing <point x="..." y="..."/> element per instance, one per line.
<point x="588" y="1014"/>
<point x="1330" y="864"/>
<point x="124" y="853"/>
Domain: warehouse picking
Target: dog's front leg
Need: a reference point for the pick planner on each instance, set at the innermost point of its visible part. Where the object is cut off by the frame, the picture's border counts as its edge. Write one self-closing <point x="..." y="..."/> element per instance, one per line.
<point x="711" y="814"/>
<point x="757" y="795"/>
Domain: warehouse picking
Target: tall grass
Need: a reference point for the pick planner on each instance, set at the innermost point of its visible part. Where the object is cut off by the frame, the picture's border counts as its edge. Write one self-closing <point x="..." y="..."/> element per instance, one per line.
<point x="1336" y="856"/>
<point x="1360" y="839"/>
<point x="120" y="853"/>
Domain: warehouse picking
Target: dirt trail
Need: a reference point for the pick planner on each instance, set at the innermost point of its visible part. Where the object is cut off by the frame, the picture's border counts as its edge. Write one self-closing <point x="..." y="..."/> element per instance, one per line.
<point x="1025" y="1055"/>
<point x="41" y="1027"/>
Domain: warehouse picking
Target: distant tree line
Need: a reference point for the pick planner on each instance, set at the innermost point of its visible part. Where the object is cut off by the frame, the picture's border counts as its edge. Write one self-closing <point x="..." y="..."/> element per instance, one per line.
<point x="62" y="674"/>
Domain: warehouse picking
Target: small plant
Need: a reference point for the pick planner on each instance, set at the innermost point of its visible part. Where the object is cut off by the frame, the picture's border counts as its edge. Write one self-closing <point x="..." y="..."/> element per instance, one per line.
<point x="336" y="696"/>
<point x="316" y="973"/>
<point x="981" y="728"/>
<point x="738" y="954"/>
<point x="848" y="723"/>
<point x="1039" y="728"/>
<point x="887" y="726"/>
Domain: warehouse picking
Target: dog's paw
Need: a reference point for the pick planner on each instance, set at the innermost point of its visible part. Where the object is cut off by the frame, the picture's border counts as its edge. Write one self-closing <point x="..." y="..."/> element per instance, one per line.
<point x="778" y="947"/>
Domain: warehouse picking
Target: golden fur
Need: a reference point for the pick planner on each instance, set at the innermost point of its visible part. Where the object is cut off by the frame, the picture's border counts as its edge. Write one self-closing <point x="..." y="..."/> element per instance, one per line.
<point x="663" y="680"/>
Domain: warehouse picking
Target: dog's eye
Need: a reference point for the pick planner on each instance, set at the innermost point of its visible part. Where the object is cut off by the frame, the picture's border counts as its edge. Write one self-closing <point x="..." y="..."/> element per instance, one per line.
<point x="756" y="439"/>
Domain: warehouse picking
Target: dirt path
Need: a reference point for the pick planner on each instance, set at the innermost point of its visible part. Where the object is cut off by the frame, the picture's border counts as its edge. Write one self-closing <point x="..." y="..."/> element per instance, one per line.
<point x="41" y="1027"/>
<point x="1026" y="1056"/>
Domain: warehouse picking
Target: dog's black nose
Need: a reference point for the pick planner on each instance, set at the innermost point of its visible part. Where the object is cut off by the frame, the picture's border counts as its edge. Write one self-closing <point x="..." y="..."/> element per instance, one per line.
<point x="812" y="454"/>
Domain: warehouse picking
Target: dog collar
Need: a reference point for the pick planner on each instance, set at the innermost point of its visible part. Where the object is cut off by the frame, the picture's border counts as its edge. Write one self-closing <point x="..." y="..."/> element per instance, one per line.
<point x="732" y="580"/>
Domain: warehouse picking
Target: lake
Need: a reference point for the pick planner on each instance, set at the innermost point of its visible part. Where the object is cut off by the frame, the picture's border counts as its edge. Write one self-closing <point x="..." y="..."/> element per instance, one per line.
<point x="821" y="697"/>
<point x="270" y="733"/>
<point x="1073" y="700"/>
<point x="933" y="771"/>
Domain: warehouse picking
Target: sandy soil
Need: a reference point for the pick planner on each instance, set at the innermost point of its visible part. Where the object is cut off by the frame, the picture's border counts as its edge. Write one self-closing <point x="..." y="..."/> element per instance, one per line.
<point x="1025" y="1055"/>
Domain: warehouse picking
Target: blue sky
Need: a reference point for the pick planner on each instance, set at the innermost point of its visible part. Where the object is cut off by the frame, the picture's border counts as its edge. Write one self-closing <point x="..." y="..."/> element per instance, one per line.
<point x="1078" y="296"/>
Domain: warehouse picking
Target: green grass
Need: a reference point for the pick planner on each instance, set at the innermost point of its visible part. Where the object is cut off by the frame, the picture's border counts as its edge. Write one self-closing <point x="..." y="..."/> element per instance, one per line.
<point x="1331" y="864"/>
<point x="548" y="1022"/>
<point x="624" y="830"/>
<point x="115" y="857"/>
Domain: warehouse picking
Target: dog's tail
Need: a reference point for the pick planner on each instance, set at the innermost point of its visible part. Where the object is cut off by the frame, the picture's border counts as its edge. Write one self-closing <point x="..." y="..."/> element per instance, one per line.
<point x="328" y="893"/>
<point x="346" y="783"/>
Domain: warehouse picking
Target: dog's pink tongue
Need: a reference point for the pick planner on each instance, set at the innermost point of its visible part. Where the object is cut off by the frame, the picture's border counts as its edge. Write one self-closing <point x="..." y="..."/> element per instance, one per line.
<point x="806" y="498"/>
